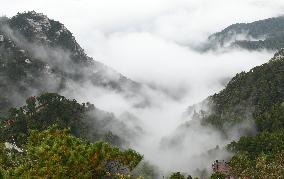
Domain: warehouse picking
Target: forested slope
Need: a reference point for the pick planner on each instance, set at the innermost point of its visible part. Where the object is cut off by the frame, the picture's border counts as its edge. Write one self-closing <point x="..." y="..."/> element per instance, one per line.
<point x="257" y="95"/>
<point x="39" y="55"/>
<point x="262" y="34"/>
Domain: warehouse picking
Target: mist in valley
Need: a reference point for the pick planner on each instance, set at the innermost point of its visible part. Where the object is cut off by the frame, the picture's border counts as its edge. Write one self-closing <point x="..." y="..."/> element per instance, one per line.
<point x="156" y="43"/>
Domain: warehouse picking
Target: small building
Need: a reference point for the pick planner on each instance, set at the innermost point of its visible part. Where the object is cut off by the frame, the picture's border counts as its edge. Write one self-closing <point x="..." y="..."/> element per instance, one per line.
<point x="1" y="38"/>
<point x="222" y="167"/>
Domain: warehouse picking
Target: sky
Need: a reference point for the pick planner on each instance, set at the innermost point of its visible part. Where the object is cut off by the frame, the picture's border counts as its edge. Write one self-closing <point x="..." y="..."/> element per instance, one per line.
<point x="152" y="42"/>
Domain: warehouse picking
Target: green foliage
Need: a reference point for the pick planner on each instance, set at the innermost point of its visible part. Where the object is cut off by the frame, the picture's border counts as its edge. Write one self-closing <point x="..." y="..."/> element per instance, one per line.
<point x="262" y="168"/>
<point x="250" y="95"/>
<point x="50" y="108"/>
<point x="7" y="161"/>
<point x="217" y="175"/>
<point x="268" y="143"/>
<point x="39" y="113"/>
<point x="241" y="165"/>
<point x="259" y="156"/>
<point x="176" y="175"/>
<point x="54" y="153"/>
<point x="272" y="119"/>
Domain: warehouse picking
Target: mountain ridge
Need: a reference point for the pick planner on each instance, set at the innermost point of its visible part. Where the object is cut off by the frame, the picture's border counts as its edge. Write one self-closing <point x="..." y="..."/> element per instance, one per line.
<point x="258" y="35"/>
<point x="37" y="50"/>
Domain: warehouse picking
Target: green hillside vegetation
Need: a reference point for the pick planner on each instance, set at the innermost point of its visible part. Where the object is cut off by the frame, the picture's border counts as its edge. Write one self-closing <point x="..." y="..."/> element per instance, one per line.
<point x="263" y="167"/>
<point x="251" y="95"/>
<point x="84" y="120"/>
<point x="262" y="155"/>
<point x="51" y="137"/>
<point x="54" y="153"/>
<point x="256" y="95"/>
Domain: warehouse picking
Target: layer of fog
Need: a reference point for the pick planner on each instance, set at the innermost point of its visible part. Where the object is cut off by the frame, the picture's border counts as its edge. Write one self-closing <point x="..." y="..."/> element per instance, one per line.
<point x="151" y="42"/>
<point x="231" y="37"/>
<point x="207" y="74"/>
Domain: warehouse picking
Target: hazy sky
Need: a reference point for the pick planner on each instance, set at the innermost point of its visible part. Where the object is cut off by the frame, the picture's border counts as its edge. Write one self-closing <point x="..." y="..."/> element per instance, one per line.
<point x="149" y="41"/>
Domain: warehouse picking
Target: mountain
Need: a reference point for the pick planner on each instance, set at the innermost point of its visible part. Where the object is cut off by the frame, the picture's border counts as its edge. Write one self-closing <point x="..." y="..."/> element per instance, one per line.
<point x="253" y="97"/>
<point x="38" y="54"/>
<point x="263" y="34"/>
<point x="248" y="117"/>
<point x="249" y="94"/>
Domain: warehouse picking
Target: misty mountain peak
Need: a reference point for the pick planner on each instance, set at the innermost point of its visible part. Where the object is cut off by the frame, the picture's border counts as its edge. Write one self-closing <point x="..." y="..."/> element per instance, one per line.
<point x="38" y="28"/>
<point x="40" y="53"/>
<point x="37" y="22"/>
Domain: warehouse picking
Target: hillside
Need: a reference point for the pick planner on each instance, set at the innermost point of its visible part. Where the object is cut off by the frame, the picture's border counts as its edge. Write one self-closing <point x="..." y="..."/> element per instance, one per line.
<point x="38" y="54"/>
<point x="50" y="131"/>
<point x="256" y="96"/>
<point x="249" y="94"/>
<point x="249" y="115"/>
<point x="84" y="120"/>
<point x="263" y="34"/>
<point x="42" y="130"/>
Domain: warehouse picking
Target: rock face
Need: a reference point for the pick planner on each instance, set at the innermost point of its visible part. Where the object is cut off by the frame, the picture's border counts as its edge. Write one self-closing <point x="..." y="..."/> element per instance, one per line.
<point x="38" y="54"/>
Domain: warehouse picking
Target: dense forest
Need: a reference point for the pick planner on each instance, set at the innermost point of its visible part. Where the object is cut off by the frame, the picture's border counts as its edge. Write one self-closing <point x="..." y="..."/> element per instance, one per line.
<point x="256" y="95"/>
<point x="51" y="131"/>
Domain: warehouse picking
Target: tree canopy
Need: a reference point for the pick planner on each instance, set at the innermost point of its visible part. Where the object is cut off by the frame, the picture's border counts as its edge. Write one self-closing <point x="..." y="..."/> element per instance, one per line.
<point x="55" y="153"/>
